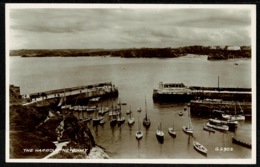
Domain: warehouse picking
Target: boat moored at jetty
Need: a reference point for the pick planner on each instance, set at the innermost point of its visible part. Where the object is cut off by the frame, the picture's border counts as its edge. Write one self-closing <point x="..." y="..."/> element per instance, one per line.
<point x="230" y="123"/>
<point x="218" y="127"/>
<point x="172" y="92"/>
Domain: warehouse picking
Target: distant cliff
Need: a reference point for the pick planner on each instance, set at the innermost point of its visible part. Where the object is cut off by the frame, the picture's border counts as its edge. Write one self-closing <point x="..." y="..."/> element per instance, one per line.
<point x="214" y="53"/>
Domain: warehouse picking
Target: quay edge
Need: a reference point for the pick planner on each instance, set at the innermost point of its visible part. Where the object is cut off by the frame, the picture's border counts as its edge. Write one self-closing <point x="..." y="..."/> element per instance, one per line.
<point x="75" y="95"/>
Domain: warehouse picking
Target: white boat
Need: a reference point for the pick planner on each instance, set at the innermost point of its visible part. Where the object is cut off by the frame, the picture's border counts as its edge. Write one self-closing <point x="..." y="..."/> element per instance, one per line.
<point x="200" y="147"/>
<point x="131" y="119"/>
<point x="234" y="117"/>
<point x="218" y="127"/>
<point x="139" y="109"/>
<point x="188" y="129"/>
<point x="139" y="133"/>
<point x="159" y="133"/>
<point x="227" y="122"/>
<point x="146" y="120"/>
<point x="172" y="131"/>
<point x="103" y="121"/>
<point x="95" y="99"/>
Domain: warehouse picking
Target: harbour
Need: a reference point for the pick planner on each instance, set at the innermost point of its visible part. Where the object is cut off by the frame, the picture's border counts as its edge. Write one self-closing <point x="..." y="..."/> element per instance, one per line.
<point x="136" y="90"/>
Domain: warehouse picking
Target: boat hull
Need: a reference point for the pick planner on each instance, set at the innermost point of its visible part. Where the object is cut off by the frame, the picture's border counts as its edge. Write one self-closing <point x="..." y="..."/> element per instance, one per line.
<point x="172" y="132"/>
<point x="200" y="147"/>
<point x="187" y="130"/>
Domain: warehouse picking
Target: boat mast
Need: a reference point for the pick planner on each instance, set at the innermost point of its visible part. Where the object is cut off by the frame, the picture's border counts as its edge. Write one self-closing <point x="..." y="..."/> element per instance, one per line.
<point x="145" y="109"/>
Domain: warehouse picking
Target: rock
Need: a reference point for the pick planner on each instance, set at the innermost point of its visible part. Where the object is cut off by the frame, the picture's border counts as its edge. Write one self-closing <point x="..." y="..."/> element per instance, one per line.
<point x="97" y="153"/>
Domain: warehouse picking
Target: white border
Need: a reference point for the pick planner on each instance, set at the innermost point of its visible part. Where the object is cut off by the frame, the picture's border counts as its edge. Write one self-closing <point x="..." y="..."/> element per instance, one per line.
<point x="139" y="6"/>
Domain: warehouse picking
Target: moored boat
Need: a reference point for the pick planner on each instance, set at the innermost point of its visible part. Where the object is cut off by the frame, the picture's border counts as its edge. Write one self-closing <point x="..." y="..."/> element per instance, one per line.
<point x="146" y="120"/>
<point x="188" y="129"/>
<point x="227" y="122"/>
<point x="200" y="147"/>
<point x="233" y="117"/>
<point x="171" y="130"/>
<point x="103" y="121"/>
<point x="139" y="133"/>
<point x="131" y="119"/>
<point x="218" y="127"/>
<point x="160" y="134"/>
<point x="208" y="129"/>
<point x="180" y="113"/>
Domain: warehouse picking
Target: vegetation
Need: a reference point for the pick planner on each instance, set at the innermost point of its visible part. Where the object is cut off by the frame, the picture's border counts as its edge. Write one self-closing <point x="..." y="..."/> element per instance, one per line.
<point x="214" y="53"/>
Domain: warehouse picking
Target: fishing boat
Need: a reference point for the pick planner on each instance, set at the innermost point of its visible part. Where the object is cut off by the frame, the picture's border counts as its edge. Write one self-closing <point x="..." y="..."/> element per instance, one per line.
<point x="131" y="119"/>
<point x="171" y="130"/>
<point x="146" y="120"/>
<point x="113" y="119"/>
<point x="180" y="113"/>
<point x="240" y="142"/>
<point x="188" y="129"/>
<point x="139" y="133"/>
<point x="218" y="127"/>
<point x="200" y="147"/>
<point x="159" y="133"/>
<point x="208" y="129"/>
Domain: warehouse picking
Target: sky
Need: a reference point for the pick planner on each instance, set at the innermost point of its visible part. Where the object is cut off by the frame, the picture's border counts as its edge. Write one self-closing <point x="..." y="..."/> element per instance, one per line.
<point x="111" y="28"/>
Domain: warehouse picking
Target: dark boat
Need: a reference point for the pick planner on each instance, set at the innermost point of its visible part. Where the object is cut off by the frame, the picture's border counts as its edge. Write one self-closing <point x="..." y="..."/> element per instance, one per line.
<point x="208" y="129"/>
<point x="146" y="120"/>
<point x="160" y="134"/>
<point x="240" y="142"/>
<point x="180" y="113"/>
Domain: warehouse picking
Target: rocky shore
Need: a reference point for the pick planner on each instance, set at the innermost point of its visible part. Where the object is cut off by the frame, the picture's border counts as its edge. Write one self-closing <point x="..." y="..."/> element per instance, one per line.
<point x="37" y="131"/>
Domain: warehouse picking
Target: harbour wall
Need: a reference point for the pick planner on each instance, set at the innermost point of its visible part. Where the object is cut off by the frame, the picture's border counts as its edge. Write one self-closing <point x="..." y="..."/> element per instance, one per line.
<point x="74" y="95"/>
<point x="207" y="107"/>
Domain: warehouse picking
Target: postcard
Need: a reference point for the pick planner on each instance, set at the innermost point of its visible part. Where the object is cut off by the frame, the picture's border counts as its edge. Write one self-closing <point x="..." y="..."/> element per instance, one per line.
<point x="131" y="83"/>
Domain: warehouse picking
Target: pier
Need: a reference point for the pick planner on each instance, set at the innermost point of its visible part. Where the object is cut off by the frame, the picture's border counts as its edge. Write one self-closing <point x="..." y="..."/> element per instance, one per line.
<point x="77" y="94"/>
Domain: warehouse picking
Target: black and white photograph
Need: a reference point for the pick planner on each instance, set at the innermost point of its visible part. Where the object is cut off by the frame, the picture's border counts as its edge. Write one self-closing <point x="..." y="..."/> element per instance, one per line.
<point x="131" y="83"/>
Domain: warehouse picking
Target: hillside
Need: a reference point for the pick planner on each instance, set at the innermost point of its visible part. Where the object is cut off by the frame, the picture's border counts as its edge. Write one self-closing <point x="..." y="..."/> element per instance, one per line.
<point x="214" y="53"/>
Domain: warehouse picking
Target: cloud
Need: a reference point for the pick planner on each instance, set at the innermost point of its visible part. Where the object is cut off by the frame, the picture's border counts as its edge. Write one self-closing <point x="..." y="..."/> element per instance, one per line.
<point x="117" y="28"/>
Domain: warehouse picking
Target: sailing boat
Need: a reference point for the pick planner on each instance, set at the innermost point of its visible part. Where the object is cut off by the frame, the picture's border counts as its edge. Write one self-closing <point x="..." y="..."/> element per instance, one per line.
<point x="120" y="119"/>
<point x="97" y="118"/>
<point x="234" y="117"/>
<point x="112" y="118"/>
<point x="159" y="133"/>
<point x="188" y="129"/>
<point x="139" y="133"/>
<point x="171" y="130"/>
<point x="146" y="120"/>
<point x="131" y="119"/>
